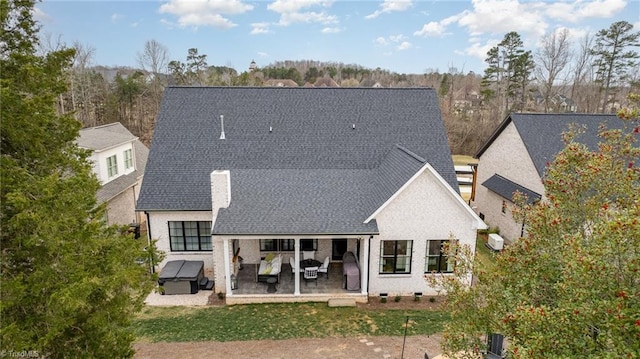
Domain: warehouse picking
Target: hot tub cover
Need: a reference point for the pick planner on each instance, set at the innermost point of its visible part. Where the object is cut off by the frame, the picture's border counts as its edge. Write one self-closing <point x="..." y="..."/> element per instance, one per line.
<point x="181" y="270"/>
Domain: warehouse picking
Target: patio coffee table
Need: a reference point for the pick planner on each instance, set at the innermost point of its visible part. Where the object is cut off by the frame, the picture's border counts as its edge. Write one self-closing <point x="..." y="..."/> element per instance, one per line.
<point x="271" y="284"/>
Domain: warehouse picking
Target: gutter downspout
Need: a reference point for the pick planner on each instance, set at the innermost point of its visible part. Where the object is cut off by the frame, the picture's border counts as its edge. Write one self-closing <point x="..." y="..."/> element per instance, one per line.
<point x="152" y="263"/>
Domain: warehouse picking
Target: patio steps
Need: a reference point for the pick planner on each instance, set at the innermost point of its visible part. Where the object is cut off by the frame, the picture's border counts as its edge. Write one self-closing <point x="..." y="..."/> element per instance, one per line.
<point x="341" y="302"/>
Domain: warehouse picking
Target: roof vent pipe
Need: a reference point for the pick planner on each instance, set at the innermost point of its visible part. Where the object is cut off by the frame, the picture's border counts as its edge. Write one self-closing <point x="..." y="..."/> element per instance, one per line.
<point x="270" y="129"/>
<point x="353" y="126"/>
<point x="222" y="136"/>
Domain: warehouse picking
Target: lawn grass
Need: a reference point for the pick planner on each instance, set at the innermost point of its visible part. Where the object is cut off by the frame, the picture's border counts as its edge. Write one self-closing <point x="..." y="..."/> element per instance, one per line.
<point x="484" y="256"/>
<point x="463" y="160"/>
<point x="279" y="321"/>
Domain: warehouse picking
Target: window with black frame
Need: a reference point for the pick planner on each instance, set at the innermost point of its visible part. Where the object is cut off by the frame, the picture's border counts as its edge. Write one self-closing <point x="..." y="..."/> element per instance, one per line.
<point x="185" y="236"/>
<point x="395" y="257"/>
<point x="287" y="245"/>
<point x="438" y="258"/>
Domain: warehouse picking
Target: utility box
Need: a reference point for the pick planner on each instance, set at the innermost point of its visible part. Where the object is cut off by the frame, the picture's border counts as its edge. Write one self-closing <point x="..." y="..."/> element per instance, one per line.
<point x="496" y="242"/>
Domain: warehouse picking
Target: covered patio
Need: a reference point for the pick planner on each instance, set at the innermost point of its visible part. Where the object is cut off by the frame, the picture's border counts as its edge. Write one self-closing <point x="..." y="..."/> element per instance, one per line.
<point x="250" y="285"/>
<point x="247" y="283"/>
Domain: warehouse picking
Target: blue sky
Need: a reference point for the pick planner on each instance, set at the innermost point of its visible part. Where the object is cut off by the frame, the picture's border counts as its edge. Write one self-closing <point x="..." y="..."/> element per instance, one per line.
<point x="405" y="36"/>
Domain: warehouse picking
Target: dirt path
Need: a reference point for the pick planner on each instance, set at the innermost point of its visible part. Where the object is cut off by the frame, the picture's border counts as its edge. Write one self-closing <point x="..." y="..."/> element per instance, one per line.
<point x="415" y="347"/>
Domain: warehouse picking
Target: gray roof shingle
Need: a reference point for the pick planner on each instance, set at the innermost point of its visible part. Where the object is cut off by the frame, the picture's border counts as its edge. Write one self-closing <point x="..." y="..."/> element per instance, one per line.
<point x="542" y="133"/>
<point x="313" y="201"/>
<point x="312" y="133"/>
<point x="104" y="137"/>
<point x="507" y="188"/>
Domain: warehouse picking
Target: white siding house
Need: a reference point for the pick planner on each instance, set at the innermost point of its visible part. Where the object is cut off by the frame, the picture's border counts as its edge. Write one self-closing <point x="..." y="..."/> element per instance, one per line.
<point x="119" y="161"/>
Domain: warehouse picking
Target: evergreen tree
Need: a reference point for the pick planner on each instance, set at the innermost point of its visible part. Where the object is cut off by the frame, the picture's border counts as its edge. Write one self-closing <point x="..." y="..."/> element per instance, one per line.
<point x="70" y="284"/>
<point x="612" y="62"/>
<point x="509" y="73"/>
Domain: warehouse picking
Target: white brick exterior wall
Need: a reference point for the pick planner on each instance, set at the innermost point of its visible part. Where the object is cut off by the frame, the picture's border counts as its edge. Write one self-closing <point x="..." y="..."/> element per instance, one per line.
<point x="159" y="230"/>
<point x="424" y="210"/>
<point x="508" y="157"/>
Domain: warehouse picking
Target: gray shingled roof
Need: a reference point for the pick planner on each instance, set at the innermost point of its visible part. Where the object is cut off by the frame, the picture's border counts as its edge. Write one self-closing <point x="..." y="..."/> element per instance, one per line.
<point x="313" y="201"/>
<point x="104" y="137"/>
<point x="507" y="188"/>
<point x="311" y="166"/>
<point x="542" y="133"/>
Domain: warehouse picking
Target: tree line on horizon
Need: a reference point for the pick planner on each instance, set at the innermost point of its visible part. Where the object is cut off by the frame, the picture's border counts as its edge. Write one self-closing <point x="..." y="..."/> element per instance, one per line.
<point x="593" y="75"/>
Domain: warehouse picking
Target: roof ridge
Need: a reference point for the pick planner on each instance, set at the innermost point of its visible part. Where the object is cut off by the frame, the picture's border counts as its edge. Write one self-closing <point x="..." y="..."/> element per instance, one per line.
<point x="410" y="153"/>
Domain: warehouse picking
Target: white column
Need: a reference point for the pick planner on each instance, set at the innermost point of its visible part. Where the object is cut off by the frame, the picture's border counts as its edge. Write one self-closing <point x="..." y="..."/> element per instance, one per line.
<point x="365" y="266"/>
<point x="227" y="267"/>
<point x="296" y="263"/>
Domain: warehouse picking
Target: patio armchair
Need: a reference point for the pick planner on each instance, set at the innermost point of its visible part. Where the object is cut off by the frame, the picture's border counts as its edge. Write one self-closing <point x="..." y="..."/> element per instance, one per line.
<point x="311" y="273"/>
<point x="324" y="268"/>
<point x="308" y="255"/>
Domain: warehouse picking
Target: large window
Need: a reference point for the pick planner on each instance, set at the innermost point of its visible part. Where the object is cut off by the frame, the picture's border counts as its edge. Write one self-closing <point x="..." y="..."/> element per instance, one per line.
<point x="190" y="236"/>
<point x="438" y="256"/>
<point x="128" y="159"/>
<point x="395" y="257"/>
<point x="287" y="245"/>
<point x="112" y="166"/>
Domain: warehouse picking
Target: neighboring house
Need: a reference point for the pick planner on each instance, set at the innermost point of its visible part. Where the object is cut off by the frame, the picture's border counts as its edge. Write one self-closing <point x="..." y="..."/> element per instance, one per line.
<point x="119" y="161"/>
<point x="515" y="159"/>
<point x="328" y="170"/>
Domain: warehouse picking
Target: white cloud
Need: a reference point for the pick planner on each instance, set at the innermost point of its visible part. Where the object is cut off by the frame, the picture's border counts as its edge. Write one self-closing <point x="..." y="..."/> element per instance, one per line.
<point x="578" y="10"/>
<point x="381" y="41"/>
<point x="288" y="6"/>
<point x="41" y="16"/>
<point x="262" y="54"/>
<point x="480" y="50"/>
<point x="260" y="28"/>
<point x="396" y="38"/>
<point x="135" y="24"/>
<point x="205" y="12"/>
<point x="636" y="26"/>
<point x="306" y="17"/>
<point x="500" y="17"/>
<point x="432" y="29"/>
<point x="115" y="17"/>
<point x="331" y="30"/>
<point x="291" y="12"/>
<point x="405" y="45"/>
<point x="390" y="6"/>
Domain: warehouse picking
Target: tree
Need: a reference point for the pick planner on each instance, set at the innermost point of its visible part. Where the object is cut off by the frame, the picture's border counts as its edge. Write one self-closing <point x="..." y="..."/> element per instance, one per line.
<point x="611" y="59"/>
<point x="154" y="60"/>
<point x="70" y="283"/>
<point x="508" y="74"/>
<point x="196" y="66"/>
<point x="552" y="57"/>
<point x="571" y="285"/>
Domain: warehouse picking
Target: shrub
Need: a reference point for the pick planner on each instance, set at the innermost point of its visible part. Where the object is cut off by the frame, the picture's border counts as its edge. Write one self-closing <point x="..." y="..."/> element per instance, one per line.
<point x="397" y="298"/>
